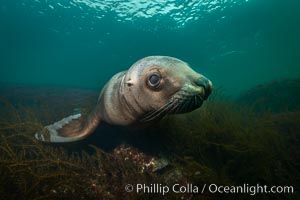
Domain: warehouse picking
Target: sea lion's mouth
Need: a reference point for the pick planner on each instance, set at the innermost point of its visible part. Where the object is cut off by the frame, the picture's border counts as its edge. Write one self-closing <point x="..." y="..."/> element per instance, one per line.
<point x="185" y="100"/>
<point x="189" y="104"/>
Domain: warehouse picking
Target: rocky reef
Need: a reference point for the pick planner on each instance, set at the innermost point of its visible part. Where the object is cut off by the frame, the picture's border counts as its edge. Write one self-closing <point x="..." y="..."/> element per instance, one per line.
<point x="223" y="143"/>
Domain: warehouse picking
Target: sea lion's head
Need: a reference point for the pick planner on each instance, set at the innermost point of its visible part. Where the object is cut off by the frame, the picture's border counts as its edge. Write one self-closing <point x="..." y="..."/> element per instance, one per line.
<point x="160" y="85"/>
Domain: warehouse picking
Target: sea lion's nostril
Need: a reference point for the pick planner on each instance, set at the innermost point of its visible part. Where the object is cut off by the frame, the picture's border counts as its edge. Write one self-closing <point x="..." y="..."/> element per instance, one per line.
<point x="203" y="82"/>
<point x="206" y="84"/>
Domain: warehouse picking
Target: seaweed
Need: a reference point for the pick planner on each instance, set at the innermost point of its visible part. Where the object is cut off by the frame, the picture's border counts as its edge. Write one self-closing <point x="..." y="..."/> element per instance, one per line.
<point x="222" y="143"/>
<point x="33" y="170"/>
<point x="276" y="96"/>
<point x="237" y="144"/>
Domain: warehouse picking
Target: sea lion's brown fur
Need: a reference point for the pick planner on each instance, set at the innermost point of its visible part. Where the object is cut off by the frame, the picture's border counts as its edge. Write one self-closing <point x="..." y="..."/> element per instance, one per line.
<point x="128" y="98"/>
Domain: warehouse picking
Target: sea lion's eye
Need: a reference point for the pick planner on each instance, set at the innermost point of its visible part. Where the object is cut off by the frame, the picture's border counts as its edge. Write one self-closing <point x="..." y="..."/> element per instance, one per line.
<point x="154" y="80"/>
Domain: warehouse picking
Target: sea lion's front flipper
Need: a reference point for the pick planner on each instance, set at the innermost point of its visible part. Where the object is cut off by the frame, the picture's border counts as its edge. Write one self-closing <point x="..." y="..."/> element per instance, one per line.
<point x="69" y="129"/>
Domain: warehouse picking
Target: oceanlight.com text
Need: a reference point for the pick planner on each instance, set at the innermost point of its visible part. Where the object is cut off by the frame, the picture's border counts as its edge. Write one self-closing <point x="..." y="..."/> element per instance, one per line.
<point x="157" y="188"/>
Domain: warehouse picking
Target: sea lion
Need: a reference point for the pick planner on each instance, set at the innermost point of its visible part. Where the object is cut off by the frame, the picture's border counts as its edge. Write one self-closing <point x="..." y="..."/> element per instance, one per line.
<point x="152" y="88"/>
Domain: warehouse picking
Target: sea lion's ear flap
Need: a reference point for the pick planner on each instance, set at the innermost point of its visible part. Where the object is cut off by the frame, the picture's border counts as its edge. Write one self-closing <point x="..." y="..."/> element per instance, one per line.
<point x="129" y="82"/>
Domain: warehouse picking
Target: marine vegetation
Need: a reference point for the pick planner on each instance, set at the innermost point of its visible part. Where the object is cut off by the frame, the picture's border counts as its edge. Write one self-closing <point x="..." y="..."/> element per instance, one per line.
<point x="224" y="143"/>
<point x="276" y="96"/>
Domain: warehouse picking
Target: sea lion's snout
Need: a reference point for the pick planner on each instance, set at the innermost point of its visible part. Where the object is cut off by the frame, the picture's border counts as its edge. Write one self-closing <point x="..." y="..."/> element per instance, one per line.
<point x="206" y="84"/>
<point x="167" y="86"/>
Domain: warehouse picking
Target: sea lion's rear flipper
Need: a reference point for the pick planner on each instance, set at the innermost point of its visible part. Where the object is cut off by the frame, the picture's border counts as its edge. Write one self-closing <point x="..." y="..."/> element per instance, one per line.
<point x="69" y="129"/>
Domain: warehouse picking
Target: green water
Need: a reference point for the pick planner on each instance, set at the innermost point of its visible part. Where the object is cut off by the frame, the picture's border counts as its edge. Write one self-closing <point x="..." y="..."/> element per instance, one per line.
<point x="236" y="43"/>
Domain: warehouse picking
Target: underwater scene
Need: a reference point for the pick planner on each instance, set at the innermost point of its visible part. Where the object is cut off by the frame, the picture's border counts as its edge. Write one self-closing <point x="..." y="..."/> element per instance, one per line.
<point x="149" y="99"/>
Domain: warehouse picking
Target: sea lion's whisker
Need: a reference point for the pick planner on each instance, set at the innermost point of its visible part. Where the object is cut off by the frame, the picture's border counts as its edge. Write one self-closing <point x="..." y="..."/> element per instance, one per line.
<point x="142" y="93"/>
<point x="196" y="100"/>
<point x="190" y="103"/>
<point x="156" y="113"/>
<point x="178" y="109"/>
<point x="186" y="104"/>
<point x="186" y="101"/>
<point x="173" y="109"/>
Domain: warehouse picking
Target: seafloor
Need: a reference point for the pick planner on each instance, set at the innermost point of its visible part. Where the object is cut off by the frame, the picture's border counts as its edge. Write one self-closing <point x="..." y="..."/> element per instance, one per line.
<point x="253" y="139"/>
